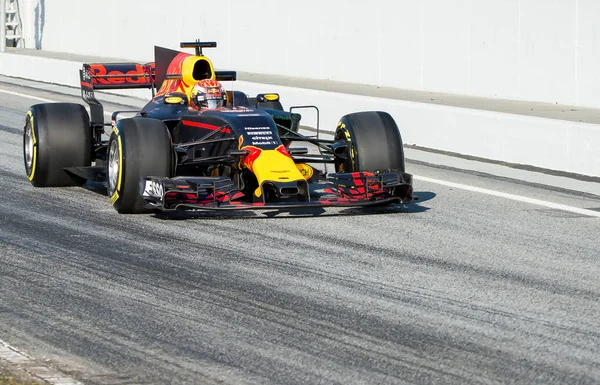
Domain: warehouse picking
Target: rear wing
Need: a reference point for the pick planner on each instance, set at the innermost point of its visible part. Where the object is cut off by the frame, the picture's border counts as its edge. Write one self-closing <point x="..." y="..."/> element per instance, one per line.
<point x="112" y="76"/>
<point x="120" y="75"/>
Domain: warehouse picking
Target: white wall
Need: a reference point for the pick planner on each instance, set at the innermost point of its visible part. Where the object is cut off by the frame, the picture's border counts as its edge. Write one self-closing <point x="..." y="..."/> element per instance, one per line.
<point x="542" y="50"/>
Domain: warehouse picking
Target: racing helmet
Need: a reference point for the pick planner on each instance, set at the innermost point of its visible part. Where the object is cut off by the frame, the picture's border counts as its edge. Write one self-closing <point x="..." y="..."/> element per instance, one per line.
<point x="209" y="94"/>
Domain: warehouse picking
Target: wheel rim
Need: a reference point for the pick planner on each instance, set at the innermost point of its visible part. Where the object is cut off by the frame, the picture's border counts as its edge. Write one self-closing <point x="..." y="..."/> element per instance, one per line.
<point x="113" y="167"/>
<point x="29" y="147"/>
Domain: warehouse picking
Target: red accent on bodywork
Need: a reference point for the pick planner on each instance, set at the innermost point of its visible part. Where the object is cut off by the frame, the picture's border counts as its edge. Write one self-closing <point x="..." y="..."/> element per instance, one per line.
<point x="255" y="153"/>
<point x="251" y="157"/>
<point x="206" y="200"/>
<point x="175" y="68"/>
<point x="182" y="86"/>
<point x="134" y="76"/>
<point x="283" y="150"/>
<point x="204" y="125"/>
<point x="254" y="204"/>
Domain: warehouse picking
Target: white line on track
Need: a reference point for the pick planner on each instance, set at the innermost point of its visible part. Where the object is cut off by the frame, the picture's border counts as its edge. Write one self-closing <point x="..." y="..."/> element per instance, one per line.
<point x="513" y="197"/>
<point x="16" y="357"/>
<point x="499" y="194"/>
<point x="27" y="96"/>
<point x="107" y="113"/>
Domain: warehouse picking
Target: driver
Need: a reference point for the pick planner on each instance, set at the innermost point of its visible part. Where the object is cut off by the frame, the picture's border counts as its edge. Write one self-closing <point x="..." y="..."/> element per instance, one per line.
<point x="208" y="94"/>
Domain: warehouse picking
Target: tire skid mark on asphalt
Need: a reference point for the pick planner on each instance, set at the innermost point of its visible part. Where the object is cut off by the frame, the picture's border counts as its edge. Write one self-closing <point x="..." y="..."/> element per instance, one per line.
<point x="251" y="309"/>
<point x="11" y="130"/>
<point x="283" y="318"/>
<point x="287" y="318"/>
<point x="302" y="270"/>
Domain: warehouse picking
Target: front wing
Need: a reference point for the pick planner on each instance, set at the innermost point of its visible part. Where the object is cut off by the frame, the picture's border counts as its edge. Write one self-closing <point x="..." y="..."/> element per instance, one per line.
<point x="220" y="193"/>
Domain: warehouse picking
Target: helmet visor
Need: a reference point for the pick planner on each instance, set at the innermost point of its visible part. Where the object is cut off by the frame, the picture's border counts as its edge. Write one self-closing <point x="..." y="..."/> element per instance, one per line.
<point x="214" y="103"/>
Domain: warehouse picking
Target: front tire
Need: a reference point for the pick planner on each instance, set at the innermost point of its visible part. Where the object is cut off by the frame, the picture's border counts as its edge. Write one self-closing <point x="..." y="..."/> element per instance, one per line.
<point x="374" y="142"/>
<point x="56" y="136"/>
<point x="138" y="147"/>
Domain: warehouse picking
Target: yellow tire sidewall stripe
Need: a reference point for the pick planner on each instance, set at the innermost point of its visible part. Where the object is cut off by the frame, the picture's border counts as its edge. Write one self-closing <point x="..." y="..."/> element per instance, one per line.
<point x="115" y="195"/>
<point x="34" y="161"/>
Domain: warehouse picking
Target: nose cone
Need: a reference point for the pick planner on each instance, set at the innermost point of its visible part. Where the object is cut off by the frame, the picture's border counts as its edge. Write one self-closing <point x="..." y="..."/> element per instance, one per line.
<point x="271" y="166"/>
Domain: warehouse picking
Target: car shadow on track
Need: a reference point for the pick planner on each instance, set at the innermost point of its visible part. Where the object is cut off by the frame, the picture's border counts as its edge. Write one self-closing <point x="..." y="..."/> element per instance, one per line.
<point x="411" y="208"/>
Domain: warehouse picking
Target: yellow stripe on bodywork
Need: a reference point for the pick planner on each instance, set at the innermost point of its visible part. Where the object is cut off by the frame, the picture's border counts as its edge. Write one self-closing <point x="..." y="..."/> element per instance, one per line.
<point x="34" y="162"/>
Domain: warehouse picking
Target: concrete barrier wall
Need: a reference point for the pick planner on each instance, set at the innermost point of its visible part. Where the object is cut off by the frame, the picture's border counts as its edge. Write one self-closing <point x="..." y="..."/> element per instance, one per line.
<point x="552" y="144"/>
<point x="519" y="49"/>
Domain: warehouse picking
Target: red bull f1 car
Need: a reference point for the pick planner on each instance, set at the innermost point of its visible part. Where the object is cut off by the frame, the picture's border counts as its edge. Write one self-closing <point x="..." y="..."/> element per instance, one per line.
<point x="247" y="154"/>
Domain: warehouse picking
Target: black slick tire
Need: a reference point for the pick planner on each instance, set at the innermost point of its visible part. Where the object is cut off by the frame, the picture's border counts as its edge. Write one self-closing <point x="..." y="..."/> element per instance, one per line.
<point x="138" y="147"/>
<point x="375" y="142"/>
<point x="56" y="136"/>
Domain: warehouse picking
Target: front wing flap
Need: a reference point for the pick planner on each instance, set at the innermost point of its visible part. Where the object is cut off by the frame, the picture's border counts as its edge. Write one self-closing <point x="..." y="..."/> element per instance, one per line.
<point x="220" y="193"/>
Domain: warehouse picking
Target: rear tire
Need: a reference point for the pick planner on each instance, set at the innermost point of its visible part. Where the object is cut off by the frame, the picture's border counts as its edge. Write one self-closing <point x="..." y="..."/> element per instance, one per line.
<point x="56" y="136"/>
<point x="375" y="142"/>
<point x="138" y="147"/>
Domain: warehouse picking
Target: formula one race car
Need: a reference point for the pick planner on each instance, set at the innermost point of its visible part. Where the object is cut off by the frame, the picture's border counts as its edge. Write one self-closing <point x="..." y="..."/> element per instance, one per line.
<point x="177" y="153"/>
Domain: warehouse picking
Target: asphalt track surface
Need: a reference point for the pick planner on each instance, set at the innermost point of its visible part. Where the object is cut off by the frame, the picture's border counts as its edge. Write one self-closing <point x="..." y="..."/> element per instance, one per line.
<point x="460" y="288"/>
